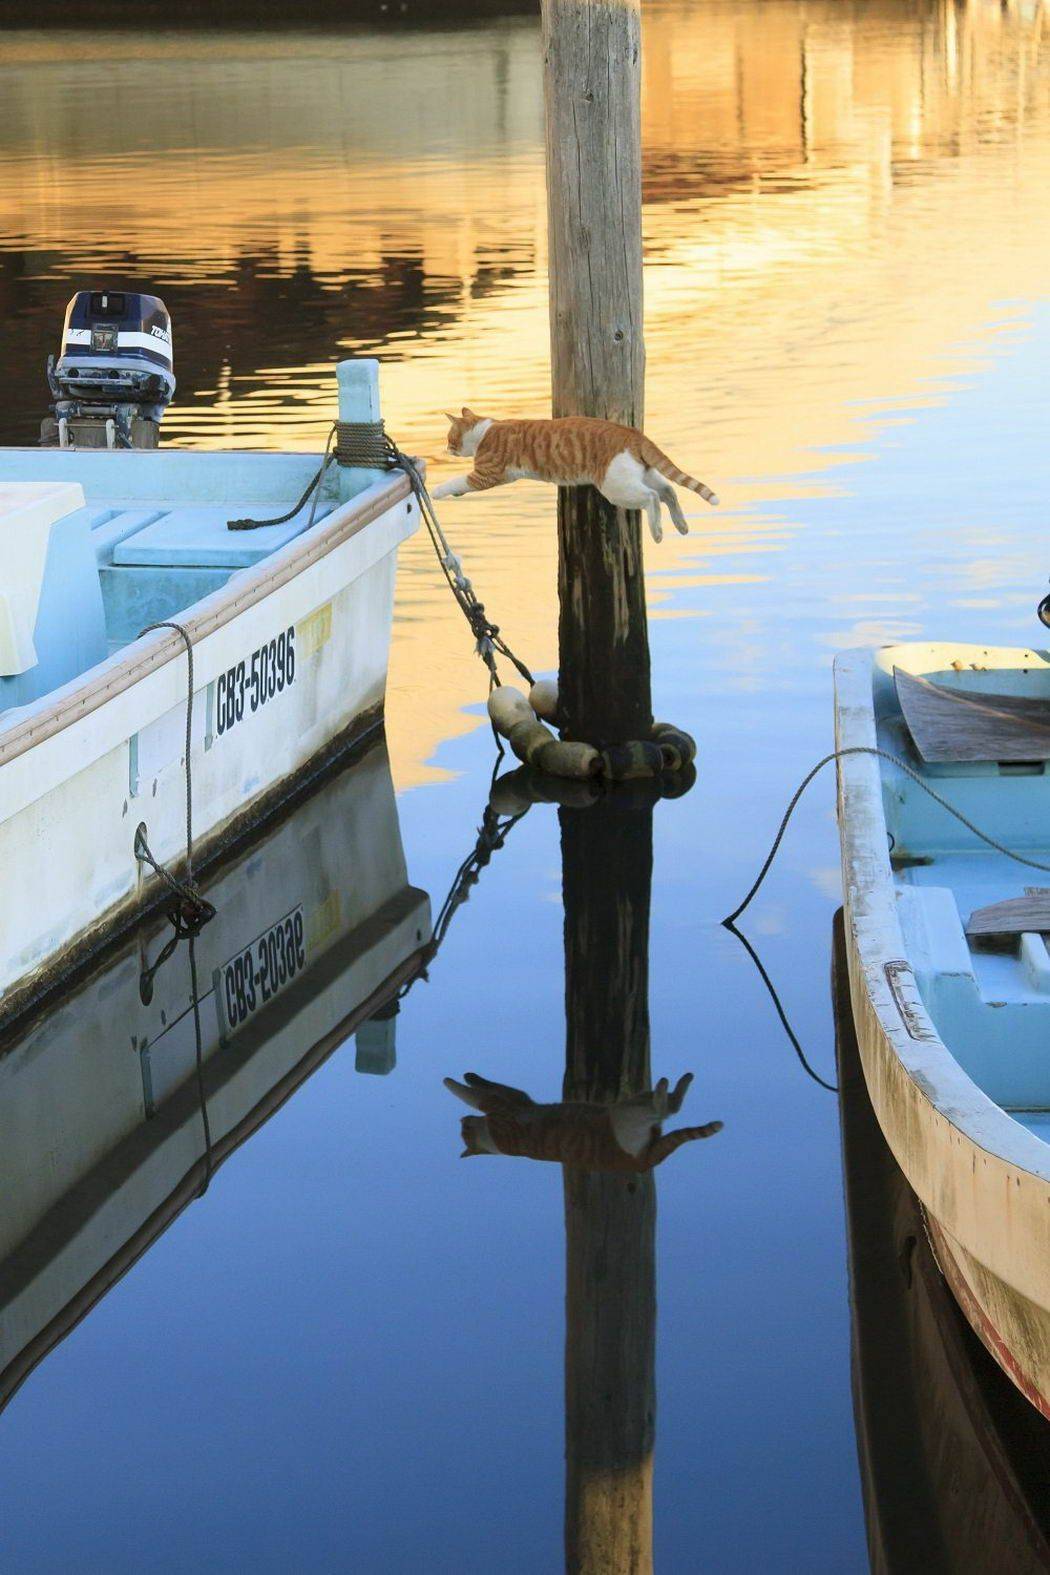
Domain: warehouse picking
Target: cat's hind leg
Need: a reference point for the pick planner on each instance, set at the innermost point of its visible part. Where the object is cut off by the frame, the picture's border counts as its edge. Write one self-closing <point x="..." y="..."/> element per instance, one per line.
<point x="652" y="509"/>
<point x="664" y="489"/>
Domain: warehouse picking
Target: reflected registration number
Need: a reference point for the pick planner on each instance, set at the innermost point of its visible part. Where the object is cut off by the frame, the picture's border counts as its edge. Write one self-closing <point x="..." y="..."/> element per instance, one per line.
<point x="259" y="972"/>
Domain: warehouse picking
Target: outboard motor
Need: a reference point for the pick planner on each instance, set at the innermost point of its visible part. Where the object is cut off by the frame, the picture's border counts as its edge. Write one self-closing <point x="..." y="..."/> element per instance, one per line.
<point x="114" y="378"/>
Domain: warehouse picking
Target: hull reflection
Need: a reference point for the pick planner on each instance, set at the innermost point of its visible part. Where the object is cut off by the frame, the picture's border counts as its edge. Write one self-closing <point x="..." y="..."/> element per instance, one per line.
<point x="955" y="1465"/>
<point x="102" y="1136"/>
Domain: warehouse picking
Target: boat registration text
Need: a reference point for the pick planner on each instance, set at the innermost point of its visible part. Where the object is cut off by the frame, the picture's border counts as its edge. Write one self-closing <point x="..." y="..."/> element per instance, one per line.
<point x="244" y="688"/>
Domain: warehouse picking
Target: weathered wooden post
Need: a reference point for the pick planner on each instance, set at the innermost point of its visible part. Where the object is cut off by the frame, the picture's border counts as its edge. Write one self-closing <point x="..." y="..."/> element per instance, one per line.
<point x="592" y="84"/>
<point x="610" y="1220"/>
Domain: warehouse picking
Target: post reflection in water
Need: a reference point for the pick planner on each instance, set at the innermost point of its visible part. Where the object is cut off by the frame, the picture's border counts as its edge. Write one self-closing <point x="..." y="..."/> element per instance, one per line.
<point x="955" y="1464"/>
<point x="606" y="1133"/>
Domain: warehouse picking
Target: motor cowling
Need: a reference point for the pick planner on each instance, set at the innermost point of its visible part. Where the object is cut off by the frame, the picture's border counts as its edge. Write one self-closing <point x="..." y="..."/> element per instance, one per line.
<point x="114" y="376"/>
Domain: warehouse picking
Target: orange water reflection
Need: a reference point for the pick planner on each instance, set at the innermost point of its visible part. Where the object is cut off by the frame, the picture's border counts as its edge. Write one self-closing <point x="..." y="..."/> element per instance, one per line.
<point x="841" y="205"/>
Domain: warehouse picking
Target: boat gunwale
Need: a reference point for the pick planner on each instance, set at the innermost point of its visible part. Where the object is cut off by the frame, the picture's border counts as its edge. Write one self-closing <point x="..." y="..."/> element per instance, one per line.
<point x="945" y="1174"/>
<point x="70" y="703"/>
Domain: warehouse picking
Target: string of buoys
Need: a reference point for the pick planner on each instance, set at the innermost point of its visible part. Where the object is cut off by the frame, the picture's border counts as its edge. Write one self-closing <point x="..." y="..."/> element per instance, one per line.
<point x="522" y="720"/>
<point x="516" y="791"/>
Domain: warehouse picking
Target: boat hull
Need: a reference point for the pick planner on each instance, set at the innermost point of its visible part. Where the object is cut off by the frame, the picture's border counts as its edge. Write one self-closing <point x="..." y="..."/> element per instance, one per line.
<point x="1014" y="1328"/>
<point x="954" y="1463"/>
<point x="289" y="665"/>
<point x="983" y="1179"/>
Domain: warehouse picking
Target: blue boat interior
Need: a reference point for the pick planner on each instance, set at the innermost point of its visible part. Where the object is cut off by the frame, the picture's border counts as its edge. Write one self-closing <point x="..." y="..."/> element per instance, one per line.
<point x="151" y="540"/>
<point x="989" y="1000"/>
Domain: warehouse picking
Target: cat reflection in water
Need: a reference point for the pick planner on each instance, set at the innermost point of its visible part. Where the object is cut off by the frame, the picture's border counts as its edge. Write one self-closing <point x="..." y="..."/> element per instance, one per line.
<point x="625" y="1136"/>
<point x="626" y="467"/>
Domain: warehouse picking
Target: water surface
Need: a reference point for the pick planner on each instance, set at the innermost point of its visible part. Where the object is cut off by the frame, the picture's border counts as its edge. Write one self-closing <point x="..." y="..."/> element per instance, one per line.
<point x="350" y="1354"/>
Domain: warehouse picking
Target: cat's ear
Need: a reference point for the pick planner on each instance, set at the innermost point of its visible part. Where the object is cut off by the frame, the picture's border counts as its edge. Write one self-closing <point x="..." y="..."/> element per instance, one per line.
<point x="450" y="417"/>
<point x="469" y="415"/>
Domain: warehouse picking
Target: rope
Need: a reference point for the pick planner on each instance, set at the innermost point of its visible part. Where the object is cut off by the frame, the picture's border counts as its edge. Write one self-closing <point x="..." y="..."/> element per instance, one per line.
<point x="191" y="911"/>
<point x="194" y="911"/>
<point x="492" y="834"/>
<point x="365" y="444"/>
<point x="314" y="486"/>
<point x="488" y="639"/>
<point x="883" y="754"/>
<point x="202" y="1096"/>
<point x="778" y="1005"/>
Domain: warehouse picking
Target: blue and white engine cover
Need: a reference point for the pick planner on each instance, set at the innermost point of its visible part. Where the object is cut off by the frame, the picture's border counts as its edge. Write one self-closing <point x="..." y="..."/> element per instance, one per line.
<point x="116" y="346"/>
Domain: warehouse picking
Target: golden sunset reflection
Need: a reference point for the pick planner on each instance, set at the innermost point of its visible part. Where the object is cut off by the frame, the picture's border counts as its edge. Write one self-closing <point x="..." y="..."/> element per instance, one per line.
<point x="841" y="204"/>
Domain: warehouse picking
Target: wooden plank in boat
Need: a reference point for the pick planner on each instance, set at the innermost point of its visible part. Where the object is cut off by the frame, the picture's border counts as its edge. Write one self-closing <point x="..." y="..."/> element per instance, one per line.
<point x="952" y="725"/>
<point x="1027" y="915"/>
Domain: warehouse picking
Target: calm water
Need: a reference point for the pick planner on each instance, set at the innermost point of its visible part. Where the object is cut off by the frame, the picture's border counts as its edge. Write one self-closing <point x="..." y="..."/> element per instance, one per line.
<point x="350" y="1354"/>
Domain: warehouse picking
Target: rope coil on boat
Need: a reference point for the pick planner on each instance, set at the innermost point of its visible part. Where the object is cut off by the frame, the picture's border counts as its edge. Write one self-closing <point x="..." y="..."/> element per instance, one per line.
<point x="364" y="444"/>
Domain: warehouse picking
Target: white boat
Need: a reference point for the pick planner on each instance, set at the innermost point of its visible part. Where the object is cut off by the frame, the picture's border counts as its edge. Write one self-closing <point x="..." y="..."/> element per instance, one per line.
<point x="102" y="1138"/>
<point x="290" y="628"/>
<point x="948" y="963"/>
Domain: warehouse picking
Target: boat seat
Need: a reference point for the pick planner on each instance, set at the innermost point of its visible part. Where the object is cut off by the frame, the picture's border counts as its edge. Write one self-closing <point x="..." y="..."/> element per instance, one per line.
<point x="1003" y="921"/>
<point x="949" y="724"/>
<point x="196" y="536"/>
<point x="111" y="526"/>
<point x="163" y="562"/>
<point x="52" y="627"/>
<point x="1021" y="921"/>
<point x="934" y="937"/>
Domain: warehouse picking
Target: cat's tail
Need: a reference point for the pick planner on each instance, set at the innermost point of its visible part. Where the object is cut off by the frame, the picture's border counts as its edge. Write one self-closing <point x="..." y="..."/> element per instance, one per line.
<point x="657" y="460"/>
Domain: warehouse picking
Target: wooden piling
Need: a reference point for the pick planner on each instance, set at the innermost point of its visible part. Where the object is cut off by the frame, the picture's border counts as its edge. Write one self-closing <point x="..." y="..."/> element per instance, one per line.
<point x="610" y="1220"/>
<point x="592" y="85"/>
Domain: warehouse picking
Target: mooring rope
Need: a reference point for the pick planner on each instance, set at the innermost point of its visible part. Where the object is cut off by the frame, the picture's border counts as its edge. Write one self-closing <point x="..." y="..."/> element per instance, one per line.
<point x="367" y="445"/>
<point x="909" y="771"/>
<point x="492" y="834"/>
<point x="190" y="911"/>
<point x="771" y="988"/>
<point x="194" y="910"/>
<point x="487" y="635"/>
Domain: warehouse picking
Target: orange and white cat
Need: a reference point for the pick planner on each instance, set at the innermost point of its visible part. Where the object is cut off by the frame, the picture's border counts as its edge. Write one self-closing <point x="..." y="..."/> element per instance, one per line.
<point x="625" y="1137"/>
<point x="627" y="469"/>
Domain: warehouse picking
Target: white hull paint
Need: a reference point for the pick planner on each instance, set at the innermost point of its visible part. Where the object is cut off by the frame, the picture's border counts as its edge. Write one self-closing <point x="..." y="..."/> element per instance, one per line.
<point x="982" y="1177"/>
<point x="81" y="769"/>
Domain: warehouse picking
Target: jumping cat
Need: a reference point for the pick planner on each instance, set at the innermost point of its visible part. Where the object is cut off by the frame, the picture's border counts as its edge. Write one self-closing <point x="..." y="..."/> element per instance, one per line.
<point x="627" y="469"/>
<point x="624" y="1137"/>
